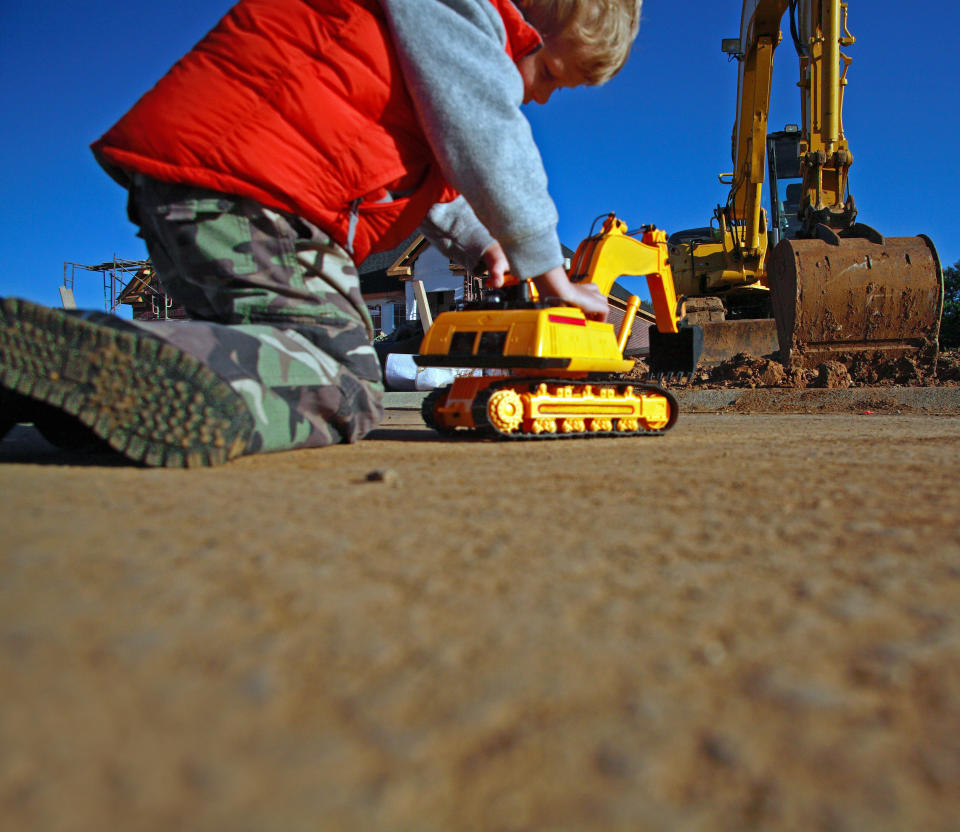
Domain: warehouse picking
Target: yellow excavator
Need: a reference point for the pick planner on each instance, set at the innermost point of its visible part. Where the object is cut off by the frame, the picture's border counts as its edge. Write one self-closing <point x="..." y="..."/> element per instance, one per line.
<point x="548" y="371"/>
<point x="813" y="281"/>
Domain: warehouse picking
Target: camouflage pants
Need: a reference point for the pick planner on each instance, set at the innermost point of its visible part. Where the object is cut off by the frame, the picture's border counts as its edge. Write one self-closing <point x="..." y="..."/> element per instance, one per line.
<point x="276" y="312"/>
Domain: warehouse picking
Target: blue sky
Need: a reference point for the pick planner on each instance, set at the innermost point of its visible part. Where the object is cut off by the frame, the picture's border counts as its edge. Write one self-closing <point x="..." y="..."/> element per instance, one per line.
<point x="647" y="145"/>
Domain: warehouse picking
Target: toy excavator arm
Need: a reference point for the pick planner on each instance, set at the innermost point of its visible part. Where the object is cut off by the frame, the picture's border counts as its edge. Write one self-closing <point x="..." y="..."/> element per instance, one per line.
<point x="602" y="258"/>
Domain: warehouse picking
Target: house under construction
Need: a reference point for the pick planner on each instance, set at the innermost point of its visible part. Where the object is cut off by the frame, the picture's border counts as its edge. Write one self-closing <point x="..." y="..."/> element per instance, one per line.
<point x="125" y="282"/>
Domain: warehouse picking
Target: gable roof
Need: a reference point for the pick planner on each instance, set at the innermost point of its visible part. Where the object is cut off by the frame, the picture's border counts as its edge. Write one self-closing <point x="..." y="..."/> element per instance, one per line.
<point x="403" y="266"/>
<point x="383" y="260"/>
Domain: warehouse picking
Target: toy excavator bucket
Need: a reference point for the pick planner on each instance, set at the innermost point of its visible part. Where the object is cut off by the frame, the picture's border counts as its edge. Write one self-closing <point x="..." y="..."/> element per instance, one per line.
<point x="674" y="354"/>
<point x="851" y="298"/>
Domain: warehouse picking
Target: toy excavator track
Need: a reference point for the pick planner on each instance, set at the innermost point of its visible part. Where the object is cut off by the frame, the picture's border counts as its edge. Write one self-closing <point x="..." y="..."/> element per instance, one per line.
<point x="428" y="410"/>
<point x="554" y="409"/>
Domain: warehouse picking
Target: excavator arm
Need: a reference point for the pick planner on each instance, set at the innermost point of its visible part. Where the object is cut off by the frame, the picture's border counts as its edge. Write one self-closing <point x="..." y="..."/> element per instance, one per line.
<point x="819" y="29"/>
<point x="759" y="37"/>
<point x="602" y="258"/>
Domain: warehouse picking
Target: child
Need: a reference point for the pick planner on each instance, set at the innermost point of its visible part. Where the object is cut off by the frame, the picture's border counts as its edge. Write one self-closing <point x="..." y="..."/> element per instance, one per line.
<point x="290" y="143"/>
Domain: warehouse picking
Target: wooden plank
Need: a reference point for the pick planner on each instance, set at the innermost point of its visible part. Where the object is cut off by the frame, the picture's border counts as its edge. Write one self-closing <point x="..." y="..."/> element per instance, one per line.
<point x="67" y="299"/>
<point x="423" y="308"/>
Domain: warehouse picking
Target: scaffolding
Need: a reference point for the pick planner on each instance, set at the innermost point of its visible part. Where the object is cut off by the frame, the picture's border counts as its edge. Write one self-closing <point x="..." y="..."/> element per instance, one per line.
<point x="115" y="273"/>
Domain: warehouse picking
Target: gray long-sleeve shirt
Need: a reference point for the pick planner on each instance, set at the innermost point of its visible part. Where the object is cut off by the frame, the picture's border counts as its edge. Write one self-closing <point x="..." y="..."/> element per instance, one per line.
<point x="467" y="93"/>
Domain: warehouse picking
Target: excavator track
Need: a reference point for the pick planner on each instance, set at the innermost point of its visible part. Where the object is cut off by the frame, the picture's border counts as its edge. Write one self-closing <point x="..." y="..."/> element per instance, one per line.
<point x="428" y="410"/>
<point x="562" y="409"/>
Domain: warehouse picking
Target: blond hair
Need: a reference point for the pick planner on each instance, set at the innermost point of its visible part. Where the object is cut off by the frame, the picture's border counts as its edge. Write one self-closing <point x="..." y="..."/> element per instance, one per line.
<point x="600" y="32"/>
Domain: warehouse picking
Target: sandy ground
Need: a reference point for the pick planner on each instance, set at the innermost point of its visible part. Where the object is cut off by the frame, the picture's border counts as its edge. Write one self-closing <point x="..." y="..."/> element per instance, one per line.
<point x="750" y="623"/>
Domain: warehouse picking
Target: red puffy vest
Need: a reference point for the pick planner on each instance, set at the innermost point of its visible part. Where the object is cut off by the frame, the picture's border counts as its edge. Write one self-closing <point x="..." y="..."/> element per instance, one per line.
<point x="300" y="106"/>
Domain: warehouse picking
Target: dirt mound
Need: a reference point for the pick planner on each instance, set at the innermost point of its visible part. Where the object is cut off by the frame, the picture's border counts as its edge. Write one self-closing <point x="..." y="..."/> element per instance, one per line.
<point x="750" y="371"/>
<point x="744" y="370"/>
<point x="875" y="372"/>
<point x="948" y="368"/>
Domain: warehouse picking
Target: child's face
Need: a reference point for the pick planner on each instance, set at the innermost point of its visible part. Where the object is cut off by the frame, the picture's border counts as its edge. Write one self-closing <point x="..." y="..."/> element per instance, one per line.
<point x="547" y="70"/>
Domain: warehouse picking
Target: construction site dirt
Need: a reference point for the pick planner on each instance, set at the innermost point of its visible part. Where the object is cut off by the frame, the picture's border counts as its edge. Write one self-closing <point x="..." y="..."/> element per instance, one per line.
<point x="751" y="622"/>
<point x="752" y="371"/>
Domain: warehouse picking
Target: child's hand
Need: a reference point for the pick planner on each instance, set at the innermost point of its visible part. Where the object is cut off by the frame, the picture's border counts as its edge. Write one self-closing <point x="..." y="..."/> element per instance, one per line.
<point x="497" y="265"/>
<point x="587" y="296"/>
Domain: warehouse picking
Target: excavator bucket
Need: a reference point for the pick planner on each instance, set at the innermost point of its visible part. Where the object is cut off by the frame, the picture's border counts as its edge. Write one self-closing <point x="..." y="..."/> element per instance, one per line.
<point x="675" y="354"/>
<point x="855" y="299"/>
<point x="723" y="339"/>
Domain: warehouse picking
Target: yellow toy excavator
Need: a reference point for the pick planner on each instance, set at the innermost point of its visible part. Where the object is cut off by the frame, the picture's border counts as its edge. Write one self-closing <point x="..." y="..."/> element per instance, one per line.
<point x="836" y="288"/>
<point x="560" y="373"/>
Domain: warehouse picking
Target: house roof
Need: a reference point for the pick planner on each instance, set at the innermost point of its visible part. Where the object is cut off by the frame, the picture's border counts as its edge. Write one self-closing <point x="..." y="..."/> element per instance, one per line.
<point x="403" y="266"/>
<point x="375" y="271"/>
<point x="383" y="260"/>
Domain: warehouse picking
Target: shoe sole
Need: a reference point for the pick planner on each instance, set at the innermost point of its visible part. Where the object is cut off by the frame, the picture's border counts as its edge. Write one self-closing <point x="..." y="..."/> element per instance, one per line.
<point x="146" y="399"/>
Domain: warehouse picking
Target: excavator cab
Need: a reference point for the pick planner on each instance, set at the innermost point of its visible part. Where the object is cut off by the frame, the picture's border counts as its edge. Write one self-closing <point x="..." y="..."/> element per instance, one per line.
<point x="785" y="182"/>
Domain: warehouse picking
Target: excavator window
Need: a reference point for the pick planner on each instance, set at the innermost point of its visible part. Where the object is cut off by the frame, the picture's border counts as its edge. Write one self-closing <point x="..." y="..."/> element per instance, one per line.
<point x="690" y="235"/>
<point x="794" y="191"/>
<point x="492" y="343"/>
<point x="462" y="343"/>
<point x="787" y="222"/>
<point x="783" y="160"/>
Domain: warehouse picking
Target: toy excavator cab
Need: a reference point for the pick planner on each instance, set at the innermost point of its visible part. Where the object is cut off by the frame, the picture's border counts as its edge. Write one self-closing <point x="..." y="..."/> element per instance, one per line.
<point x="514" y="294"/>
